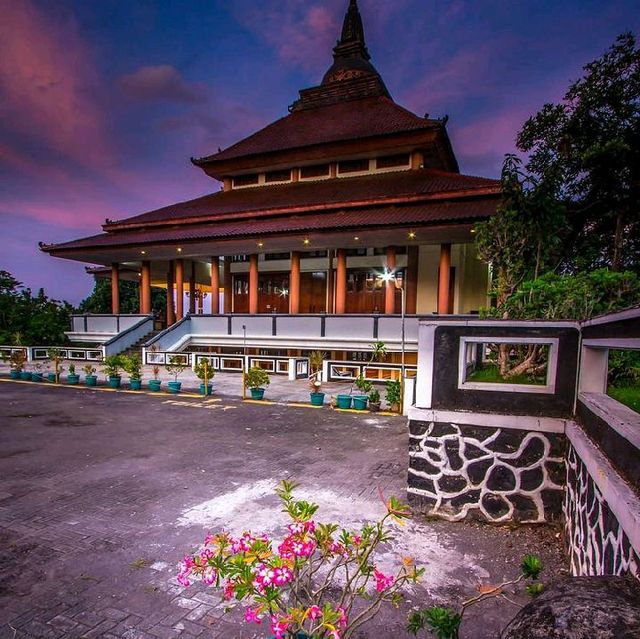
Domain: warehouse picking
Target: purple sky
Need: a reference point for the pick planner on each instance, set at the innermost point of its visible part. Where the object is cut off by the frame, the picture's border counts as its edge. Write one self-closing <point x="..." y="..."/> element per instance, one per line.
<point x="103" y="103"/>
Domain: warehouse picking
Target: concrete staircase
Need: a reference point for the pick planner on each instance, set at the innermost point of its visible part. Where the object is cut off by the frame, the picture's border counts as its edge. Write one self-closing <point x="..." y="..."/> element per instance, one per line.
<point x="137" y="347"/>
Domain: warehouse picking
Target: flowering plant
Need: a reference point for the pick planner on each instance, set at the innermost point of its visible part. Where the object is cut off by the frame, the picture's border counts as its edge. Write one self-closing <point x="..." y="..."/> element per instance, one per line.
<point x="321" y="582"/>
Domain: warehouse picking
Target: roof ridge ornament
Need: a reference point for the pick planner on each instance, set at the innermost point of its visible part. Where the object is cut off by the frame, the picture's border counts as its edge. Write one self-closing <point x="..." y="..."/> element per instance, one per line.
<point x="352" y="40"/>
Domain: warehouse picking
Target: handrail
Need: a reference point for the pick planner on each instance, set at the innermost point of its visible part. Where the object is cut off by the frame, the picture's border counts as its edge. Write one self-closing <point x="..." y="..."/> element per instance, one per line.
<point x="143" y="321"/>
<point x="169" y="329"/>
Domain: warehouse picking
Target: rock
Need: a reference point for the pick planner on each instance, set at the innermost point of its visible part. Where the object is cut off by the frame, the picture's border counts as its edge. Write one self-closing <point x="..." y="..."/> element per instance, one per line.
<point x="581" y="608"/>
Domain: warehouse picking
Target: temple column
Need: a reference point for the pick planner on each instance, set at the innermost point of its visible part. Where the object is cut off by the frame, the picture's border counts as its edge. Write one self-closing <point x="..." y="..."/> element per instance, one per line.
<point x="179" y="289"/>
<point x="444" y="279"/>
<point x="330" y="286"/>
<point x="253" y="284"/>
<point x="115" y="289"/>
<point x="411" y="282"/>
<point x="228" y="286"/>
<point x="341" y="282"/>
<point x="294" y="284"/>
<point x="145" y="288"/>
<point x="192" y="289"/>
<point x="215" y="285"/>
<point x="171" y="316"/>
<point x="390" y="290"/>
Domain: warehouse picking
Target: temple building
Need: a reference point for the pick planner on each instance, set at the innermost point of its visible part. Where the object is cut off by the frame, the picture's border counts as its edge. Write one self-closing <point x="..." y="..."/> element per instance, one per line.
<point x="311" y="210"/>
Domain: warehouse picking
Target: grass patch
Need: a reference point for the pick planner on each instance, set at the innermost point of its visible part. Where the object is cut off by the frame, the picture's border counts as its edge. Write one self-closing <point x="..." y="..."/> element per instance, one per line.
<point x="491" y="375"/>
<point x="627" y="395"/>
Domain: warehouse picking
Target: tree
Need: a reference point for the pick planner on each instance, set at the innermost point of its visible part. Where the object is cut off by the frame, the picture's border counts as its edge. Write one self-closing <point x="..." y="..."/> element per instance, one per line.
<point x="99" y="301"/>
<point x="586" y="151"/>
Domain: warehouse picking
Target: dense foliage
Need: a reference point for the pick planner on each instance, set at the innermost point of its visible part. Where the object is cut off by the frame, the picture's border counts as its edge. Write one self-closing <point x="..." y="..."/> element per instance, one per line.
<point x="28" y="318"/>
<point x="100" y="299"/>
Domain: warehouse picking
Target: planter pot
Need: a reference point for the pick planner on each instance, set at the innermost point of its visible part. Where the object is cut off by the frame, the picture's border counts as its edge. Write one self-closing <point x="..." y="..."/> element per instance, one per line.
<point x="36" y="377"/>
<point x="343" y="401"/>
<point x="114" y="382"/>
<point x="73" y="379"/>
<point x="25" y="376"/>
<point x="374" y="407"/>
<point x="394" y="408"/>
<point x="135" y="384"/>
<point x="154" y="385"/>
<point x="206" y="391"/>
<point x="257" y="393"/>
<point x="51" y="377"/>
<point x="174" y="387"/>
<point x="360" y="402"/>
<point x="317" y="399"/>
<point x="14" y="374"/>
<point x="91" y="380"/>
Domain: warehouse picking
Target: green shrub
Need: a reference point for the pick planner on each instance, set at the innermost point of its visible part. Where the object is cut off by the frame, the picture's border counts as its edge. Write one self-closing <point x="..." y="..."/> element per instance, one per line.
<point x="256" y="377"/>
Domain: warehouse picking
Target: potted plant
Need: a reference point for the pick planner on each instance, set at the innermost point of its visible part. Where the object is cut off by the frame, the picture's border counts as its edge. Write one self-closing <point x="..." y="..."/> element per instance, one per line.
<point x="205" y="372"/>
<point x="155" y="383"/>
<point x="175" y="367"/>
<point x="133" y="367"/>
<point x="255" y="380"/>
<point x="17" y="361"/>
<point x="90" y="378"/>
<point x="374" y="400"/>
<point x="316" y="360"/>
<point x="364" y="386"/>
<point x="112" y="366"/>
<point x="36" y="375"/>
<point x="55" y="357"/>
<point x="393" y="395"/>
<point x="72" y="378"/>
<point x="317" y="397"/>
<point x="321" y="581"/>
<point x="378" y="352"/>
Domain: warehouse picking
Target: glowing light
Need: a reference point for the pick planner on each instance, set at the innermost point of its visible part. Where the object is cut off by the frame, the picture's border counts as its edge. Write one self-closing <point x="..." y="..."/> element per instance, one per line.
<point x="306" y="241"/>
<point x="260" y="244"/>
<point x="143" y="252"/>
<point x="388" y="276"/>
<point x="179" y="250"/>
<point x="356" y="238"/>
<point x="412" y="236"/>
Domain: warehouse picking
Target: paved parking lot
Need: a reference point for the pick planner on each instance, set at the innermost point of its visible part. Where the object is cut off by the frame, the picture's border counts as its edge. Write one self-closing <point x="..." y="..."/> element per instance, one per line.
<point x="101" y="494"/>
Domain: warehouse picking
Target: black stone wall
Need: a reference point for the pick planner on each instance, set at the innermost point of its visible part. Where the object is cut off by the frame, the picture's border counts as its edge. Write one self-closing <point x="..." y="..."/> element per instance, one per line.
<point x="490" y="474"/>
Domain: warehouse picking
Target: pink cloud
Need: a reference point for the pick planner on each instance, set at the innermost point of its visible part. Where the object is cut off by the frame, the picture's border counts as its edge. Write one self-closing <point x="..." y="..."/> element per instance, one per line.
<point x="161" y="82"/>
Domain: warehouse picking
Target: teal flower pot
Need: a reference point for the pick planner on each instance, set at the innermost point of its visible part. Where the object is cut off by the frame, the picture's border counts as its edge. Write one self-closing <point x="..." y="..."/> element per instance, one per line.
<point x="114" y="382"/>
<point x="91" y="380"/>
<point x="174" y="387"/>
<point x="72" y="380"/>
<point x="343" y="401"/>
<point x="14" y="374"/>
<point x="135" y="384"/>
<point x="317" y="399"/>
<point x="25" y="376"/>
<point x="206" y="391"/>
<point x="51" y="377"/>
<point x="257" y="393"/>
<point x="360" y="402"/>
<point x="36" y="377"/>
<point x="154" y="385"/>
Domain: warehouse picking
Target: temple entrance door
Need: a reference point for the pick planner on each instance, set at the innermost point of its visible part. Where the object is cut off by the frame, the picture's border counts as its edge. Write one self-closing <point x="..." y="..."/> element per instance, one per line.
<point x="241" y="293"/>
<point x="313" y="292"/>
<point x="365" y="292"/>
<point x="273" y="293"/>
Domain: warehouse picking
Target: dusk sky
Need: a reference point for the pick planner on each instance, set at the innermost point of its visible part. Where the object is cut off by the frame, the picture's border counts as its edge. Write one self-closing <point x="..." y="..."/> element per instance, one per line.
<point x="103" y="102"/>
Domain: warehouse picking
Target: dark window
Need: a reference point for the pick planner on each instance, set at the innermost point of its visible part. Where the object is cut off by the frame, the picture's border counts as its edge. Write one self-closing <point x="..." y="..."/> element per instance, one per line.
<point x="315" y="254"/>
<point x="239" y="258"/>
<point x="317" y="170"/>
<point x="245" y="180"/>
<point x="278" y="176"/>
<point x="353" y="166"/>
<point x="277" y="256"/>
<point x="400" y="250"/>
<point x="356" y="252"/>
<point x="389" y="161"/>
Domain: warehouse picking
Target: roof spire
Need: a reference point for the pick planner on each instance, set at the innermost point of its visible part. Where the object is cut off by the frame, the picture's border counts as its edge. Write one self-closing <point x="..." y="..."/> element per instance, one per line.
<point x="352" y="42"/>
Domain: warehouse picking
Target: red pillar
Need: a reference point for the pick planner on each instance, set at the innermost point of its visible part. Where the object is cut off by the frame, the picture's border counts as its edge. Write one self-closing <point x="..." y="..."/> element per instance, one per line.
<point x="115" y="289"/>
<point x="330" y="285"/>
<point x="444" y="279"/>
<point x="215" y="285"/>
<point x="294" y="284"/>
<point x="341" y="282"/>
<point x="411" y="285"/>
<point x="171" y="316"/>
<point x="145" y="288"/>
<point x="253" y="284"/>
<point x="390" y="291"/>
<point x="228" y="286"/>
<point x="179" y="289"/>
<point x="192" y="289"/>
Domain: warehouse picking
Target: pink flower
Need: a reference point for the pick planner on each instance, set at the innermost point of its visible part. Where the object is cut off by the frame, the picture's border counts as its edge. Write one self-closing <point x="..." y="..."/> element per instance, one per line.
<point x="357" y="540"/>
<point x="293" y="547"/>
<point x="206" y="554"/>
<point x="279" y="627"/>
<point x="282" y="576"/>
<point x="342" y="620"/>
<point x="337" y="549"/>
<point x="209" y="576"/>
<point x="229" y="590"/>
<point x="209" y="540"/>
<point x="253" y="616"/>
<point x="383" y="582"/>
<point x="265" y="576"/>
<point x="243" y="544"/>
<point x="314" y="612"/>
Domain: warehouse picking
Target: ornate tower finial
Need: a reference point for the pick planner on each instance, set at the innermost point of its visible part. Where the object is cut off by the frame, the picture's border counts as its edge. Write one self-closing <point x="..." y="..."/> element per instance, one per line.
<point x="352" y="42"/>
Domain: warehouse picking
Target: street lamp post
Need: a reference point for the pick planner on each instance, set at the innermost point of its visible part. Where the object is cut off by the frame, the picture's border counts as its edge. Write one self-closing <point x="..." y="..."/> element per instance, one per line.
<point x="390" y="276"/>
<point x="244" y="360"/>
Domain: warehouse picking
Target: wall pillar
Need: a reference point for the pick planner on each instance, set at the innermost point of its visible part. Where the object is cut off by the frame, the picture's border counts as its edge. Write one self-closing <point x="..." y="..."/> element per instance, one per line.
<point x="444" y="279"/>
<point x="115" y="289"/>
<point x="411" y="280"/>
<point x="171" y="316"/>
<point x="145" y="288"/>
<point x="179" y="289"/>
<point x="330" y="284"/>
<point x="253" y="284"/>
<point x="215" y="285"/>
<point x="192" y="289"/>
<point x="390" y="290"/>
<point x="341" y="282"/>
<point x="294" y="284"/>
<point x="228" y="285"/>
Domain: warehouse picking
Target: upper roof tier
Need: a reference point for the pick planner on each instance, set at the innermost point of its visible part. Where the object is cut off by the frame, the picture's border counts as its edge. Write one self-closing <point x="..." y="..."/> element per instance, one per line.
<point x="350" y="105"/>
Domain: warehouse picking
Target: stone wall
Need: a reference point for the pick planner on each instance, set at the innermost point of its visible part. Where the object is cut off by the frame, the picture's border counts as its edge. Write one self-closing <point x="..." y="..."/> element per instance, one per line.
<point x="490" y="474"/>
<point x="596" y="542"/>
